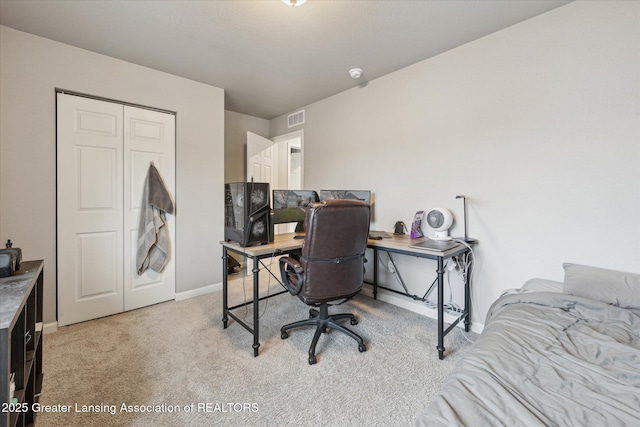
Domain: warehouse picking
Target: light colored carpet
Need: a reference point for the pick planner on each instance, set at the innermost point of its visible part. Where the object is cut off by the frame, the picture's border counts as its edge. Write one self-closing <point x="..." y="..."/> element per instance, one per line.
<point x="178" y="354"/>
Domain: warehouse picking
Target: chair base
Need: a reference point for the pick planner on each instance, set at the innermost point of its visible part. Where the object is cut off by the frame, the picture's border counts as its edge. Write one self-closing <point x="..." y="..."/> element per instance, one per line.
<point x="322" y="320"/>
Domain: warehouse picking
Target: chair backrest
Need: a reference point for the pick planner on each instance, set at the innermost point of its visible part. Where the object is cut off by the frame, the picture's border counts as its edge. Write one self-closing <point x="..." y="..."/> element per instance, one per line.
<point x="333" y="250"/>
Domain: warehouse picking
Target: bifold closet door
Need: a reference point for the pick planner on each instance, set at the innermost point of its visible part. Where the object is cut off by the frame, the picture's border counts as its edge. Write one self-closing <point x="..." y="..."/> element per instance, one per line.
<point x="90" y="212"/>
<point x="103" y="154"/>
<point x="149" y="136"/>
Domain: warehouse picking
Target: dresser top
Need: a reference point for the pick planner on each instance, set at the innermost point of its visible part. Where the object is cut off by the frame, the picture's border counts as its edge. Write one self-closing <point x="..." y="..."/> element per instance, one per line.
<point x="14" y="291"/>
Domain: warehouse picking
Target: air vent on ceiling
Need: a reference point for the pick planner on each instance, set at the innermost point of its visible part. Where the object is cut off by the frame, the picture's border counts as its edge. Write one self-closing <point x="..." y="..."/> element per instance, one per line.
<point x="295" y="119"/>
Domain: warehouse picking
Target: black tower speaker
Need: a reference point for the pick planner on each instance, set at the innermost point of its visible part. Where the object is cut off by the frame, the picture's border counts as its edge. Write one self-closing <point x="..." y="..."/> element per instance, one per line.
<point x="247" y="213"/>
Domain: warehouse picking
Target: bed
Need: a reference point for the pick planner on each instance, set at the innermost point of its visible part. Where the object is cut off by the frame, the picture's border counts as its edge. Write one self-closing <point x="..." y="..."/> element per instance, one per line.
<point x="551" y="353"/>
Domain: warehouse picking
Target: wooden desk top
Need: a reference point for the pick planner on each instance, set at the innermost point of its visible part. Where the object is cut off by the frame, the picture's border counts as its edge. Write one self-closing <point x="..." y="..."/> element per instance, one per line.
<point x="281" y="242"/>
<point x="400" y="244"/>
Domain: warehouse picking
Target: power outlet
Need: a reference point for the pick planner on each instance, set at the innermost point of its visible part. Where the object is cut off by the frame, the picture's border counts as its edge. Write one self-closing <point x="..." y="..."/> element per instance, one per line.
<point x="390" y="267"/>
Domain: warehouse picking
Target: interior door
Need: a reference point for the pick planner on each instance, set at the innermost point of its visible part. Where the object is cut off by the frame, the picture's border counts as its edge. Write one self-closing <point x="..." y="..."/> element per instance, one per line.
<point x="294" y="165"/>
<point x="260" y="159"/>
<point x="149" y="136"/>
<point x="89" y="208"/>
<point x="288" y="168"/>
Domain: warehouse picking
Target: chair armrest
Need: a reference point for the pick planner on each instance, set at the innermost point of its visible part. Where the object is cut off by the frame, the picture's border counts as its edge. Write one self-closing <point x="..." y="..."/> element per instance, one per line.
<point x="293" y="264"/>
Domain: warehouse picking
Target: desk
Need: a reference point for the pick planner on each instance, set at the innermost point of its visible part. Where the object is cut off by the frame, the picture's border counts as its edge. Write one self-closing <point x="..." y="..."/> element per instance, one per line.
<point x="401" y="245"/>
<point x="285" y="243"/>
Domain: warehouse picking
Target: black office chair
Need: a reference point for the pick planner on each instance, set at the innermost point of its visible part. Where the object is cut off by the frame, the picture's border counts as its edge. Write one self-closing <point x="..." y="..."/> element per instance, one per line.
<point x="331" y="267"/>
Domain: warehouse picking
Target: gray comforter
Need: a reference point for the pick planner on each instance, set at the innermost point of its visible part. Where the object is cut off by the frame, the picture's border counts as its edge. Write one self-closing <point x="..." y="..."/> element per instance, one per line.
<point x="546" y="359"/>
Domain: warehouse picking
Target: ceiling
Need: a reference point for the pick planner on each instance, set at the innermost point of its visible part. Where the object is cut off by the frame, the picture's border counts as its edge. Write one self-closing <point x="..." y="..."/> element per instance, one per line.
<point x="269" y="58"/>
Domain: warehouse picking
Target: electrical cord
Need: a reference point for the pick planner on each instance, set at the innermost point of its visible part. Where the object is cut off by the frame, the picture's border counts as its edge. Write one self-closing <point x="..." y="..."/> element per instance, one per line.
<point x="395" y="273"/>
<point x="244" y="289"/>
<point x="266" y="303"/>
<point x="467" y="264"/>
<point x="450" y="306"/>
<point x="465" y="270"/>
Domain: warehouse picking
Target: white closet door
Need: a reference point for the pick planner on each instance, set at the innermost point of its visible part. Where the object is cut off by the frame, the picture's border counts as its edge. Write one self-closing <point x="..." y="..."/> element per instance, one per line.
<point x="103" y="155"/>
<point x="89" y="208"/>
<point x="149" y="136"/>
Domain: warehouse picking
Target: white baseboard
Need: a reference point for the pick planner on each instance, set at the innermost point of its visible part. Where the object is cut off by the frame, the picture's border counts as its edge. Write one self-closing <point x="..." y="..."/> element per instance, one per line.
<point x="48" y="328"/>
<point x="199" y="291"/>
<point x="417" y="307"/>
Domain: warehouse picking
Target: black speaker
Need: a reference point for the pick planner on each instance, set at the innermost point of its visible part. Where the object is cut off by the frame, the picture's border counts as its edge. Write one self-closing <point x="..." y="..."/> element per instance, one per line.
<point x="247" y="213"/>
<point x="10" y="259"/>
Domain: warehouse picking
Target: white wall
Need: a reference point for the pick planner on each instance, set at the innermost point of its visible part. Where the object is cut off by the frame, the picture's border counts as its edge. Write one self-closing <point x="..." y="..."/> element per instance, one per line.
<point x="539" y="124"/>
<point x="236" y="126"/>
<point x="31" y="69"/>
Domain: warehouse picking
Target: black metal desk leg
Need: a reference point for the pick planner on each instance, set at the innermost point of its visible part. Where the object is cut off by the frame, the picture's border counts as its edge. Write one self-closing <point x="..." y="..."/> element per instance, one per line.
<point x="256" y="301"/>
<point x="467" y="301"/>
<point x="375" y="273"/>
<point x="440" y="272"/>
<point x="225" y="302"/>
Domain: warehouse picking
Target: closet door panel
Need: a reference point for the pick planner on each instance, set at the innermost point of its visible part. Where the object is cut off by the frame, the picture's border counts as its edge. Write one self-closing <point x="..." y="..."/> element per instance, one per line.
<point x="149" y="136"/>
<point x="89" y="208"/>
<point x="97" y="169"/>
<point x="98" y="255"/>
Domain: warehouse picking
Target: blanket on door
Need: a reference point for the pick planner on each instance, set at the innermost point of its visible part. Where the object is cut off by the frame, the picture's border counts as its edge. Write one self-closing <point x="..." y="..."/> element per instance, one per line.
<point x="153" y="234"/>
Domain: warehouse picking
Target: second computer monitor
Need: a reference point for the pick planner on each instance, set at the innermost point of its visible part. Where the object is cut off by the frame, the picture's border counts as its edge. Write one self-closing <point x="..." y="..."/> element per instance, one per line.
<point x="364" y="195"/>
<point x="291" y="205"/>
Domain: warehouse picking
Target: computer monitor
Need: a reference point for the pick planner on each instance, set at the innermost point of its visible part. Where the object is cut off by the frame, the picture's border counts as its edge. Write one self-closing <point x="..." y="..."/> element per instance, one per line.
<point x="291" y="206"/>
<point x="364" y="195"/>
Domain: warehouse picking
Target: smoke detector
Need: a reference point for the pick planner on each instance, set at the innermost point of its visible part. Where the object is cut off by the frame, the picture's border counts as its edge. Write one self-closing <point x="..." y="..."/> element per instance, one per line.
<point x="294" y="3"/>
<point x="355" y="73"/>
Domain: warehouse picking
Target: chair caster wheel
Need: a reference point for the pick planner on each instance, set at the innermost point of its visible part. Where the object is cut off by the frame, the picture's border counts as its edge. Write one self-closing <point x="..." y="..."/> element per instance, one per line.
<point x="312" y="360"/>
<point x="354" y="321"/>
<point x="284" y="335"/>
<point x="362" y="348"/>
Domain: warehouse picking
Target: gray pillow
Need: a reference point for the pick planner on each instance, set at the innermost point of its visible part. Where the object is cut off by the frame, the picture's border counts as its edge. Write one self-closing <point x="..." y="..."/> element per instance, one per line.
<point x="608" y="286"/>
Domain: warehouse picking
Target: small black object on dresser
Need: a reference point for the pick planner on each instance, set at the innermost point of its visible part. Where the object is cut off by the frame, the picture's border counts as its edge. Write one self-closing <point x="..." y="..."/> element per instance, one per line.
<point x="10" y="259"/>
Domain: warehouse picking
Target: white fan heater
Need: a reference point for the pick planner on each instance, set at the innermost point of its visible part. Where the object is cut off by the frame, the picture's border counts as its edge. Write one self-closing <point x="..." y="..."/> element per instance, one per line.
<point x="439" y="220"/>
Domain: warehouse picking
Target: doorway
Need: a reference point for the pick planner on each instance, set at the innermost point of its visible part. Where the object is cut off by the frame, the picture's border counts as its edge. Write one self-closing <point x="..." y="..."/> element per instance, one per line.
<point x="290" y="174"/>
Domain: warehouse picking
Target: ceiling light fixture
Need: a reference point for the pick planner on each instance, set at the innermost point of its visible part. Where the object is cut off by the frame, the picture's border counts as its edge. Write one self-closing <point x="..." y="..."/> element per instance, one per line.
<point x="355" y="73"/>
<point x="294" y="3"/>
